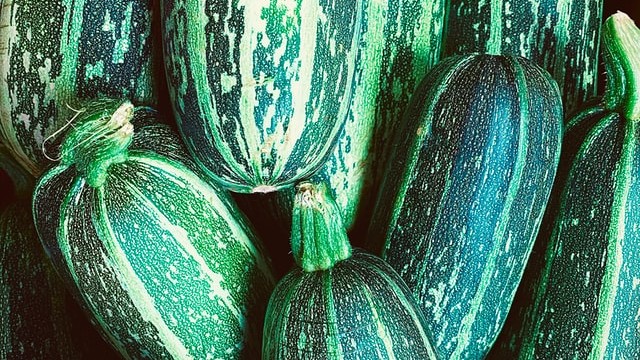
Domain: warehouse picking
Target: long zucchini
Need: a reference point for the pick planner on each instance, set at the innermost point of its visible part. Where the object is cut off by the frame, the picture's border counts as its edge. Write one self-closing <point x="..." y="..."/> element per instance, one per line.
<point x="261" y="88"/>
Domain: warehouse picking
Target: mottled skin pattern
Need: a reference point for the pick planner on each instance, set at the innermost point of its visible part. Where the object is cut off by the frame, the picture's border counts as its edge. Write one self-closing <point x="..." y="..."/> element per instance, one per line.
<point x="591" y="257"/>
<point x="579" y="299"/>
<point x="561" y="36"/>
<point x="464" y="196"/>
<point x="359" y="309"/>
<point x="401" y="41"/>
<point x="260" y="89"/>
<point x="57" y="52"/>
<point x="35" y="323"/>
<point x="161" y="259"/>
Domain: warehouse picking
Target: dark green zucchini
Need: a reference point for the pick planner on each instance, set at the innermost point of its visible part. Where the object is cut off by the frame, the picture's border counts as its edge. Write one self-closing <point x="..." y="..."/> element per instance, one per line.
<point x="34" y="323"/>
<point x="561" y="36"/>
<point x="465" y="192"/>
<point x="339" y="303"/>
<point x="163" y="261"/>
<point x="260" y="88"/>
<point x="583" y="301"/>
<point x="54" y="52"/>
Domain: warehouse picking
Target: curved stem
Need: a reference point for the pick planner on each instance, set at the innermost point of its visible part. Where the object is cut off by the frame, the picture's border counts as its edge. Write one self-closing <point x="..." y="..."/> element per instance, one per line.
<point x="101" y="138"/>
<point x="621" y="50"/>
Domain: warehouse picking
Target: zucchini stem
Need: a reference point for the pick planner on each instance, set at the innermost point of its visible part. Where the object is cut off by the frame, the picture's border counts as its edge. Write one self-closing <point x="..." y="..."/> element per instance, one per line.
<point x="621" y="45"/>
<point x="101" y="139"/>
<point x="318" y="237"/>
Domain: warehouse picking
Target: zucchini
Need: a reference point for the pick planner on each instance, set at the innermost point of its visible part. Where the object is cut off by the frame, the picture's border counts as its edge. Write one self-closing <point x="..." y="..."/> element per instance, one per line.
<point x="465" y="193"/>
<point x="54" y="52"/>
<point x="162" y="260"/>
<point x="400" y="41"/>
<point x="561" y="36"/>
<point x="260" y="89"/>
<point x="339" y="303"/>
<point x="583" y="301"/>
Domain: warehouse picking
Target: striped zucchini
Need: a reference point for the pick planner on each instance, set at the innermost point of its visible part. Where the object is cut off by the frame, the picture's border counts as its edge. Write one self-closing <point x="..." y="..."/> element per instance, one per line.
<point x="339" y="303"/>
<point x="54" y="52"/>
<point x="585" y="302"/>
<point x="260" y="89"/>
<point x="464" y="196"/>
<point x="400" y="41"/>
<point x="162" y="260"/>
<point x="562" y="36"/>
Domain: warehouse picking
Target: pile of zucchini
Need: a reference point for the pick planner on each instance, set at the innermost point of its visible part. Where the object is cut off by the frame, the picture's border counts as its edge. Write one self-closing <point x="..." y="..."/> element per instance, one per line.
<point x="315" y="179"/>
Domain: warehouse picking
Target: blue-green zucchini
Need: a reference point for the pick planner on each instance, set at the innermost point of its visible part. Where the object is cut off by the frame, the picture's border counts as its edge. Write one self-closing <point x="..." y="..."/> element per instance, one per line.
<point x="260" y="88"/>
<point x="465" y="192"/>
<point x="163" y="260"/>
<point x="54" y="52"/>
<point x="562" y="36"/>
<point x="583" y="301"/>
<point x="339" y="302"/>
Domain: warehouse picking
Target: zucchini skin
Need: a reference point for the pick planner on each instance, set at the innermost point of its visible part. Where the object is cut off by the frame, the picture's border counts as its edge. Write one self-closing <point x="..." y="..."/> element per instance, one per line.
<point x="160" y="278"/>
<point x="465" y="193"/>
<point x="582" y="300"/>
<point x="358" y="309"/>
<point x="400" y="42"/>
<point x="561" y="36"/>
<point x="510" y="341"/>
<point x="32" y="298"/>
<point x="40" y="320"/>
<point x="53" y="53"/>
<point x="260" y="89"/>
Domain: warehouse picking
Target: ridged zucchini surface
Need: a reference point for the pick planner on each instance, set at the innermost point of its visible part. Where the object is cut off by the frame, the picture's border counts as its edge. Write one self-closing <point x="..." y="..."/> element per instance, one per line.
<point x="164" y="261"/>
<point x="260" y="89"/>
<point x="465" y="192"/>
